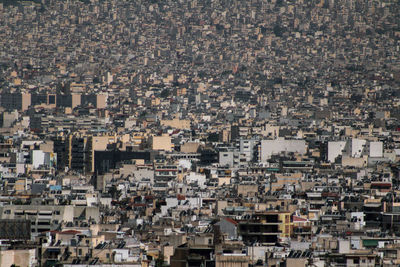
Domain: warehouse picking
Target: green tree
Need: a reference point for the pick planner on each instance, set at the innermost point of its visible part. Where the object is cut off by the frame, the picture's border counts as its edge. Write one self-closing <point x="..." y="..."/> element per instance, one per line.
<point x="114" y="192"/>
<point x="165" y="93"/>
<point x="279" y="30"/>
<point x="160" y="260"/>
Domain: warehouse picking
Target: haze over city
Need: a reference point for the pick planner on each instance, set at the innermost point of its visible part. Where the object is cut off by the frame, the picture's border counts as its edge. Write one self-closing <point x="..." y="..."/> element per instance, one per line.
<point x="150" y="133"/>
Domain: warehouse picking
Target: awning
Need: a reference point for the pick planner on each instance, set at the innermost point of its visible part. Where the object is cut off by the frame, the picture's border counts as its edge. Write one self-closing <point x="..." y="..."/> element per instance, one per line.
<point x="370" y="243"/>
<point x="372" y="205"/>
<point x="31" y="212"/>
<point x="45" y="212"/>
<point x="56" y="250"/>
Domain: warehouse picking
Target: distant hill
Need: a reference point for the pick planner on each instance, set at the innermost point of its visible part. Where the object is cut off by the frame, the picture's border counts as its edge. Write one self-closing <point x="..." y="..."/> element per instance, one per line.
<point x="17" y="2"/>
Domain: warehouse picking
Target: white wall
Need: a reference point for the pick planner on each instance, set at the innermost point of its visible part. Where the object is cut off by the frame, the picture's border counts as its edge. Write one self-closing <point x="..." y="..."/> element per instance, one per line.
<point x="271" y="147"/>
<point x="376" y="149"/>
<point x="226" y="158"/>
<point x="144" y="173"/>
<point x="121" y="255"/>
<point x="247" y="148"/>
<point x="357" y="147"/>
<point x="360" y="219"/>
<point x="20" y="168"/>
<point x="335" y="149"/>
<point x="195" y="202"/>
<point x="37" y="158"/>
<point x="256" y="252"/>
<point x="193" y="177"/>
<point x="170" y="203"/>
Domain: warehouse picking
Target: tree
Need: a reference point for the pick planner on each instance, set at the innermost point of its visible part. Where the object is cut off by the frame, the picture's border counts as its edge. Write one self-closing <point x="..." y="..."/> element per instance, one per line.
<point x="279" y="30"/>
<point x="115" y="193"/>
<point x="165" y="93"/>
<point x="160" y="260"/>
<point x="279" y="3"/>
<point x="213" y="137"/>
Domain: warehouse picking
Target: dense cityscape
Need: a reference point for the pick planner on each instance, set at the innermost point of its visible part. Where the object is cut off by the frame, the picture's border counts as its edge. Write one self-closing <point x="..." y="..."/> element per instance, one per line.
<point x="199" y="133"/>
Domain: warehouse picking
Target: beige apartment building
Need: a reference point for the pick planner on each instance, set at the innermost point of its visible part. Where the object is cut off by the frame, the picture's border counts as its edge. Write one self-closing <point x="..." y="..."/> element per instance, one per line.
<point x="18" y="257"/>
<point x="161" y="143"/>
<point x="177" y="123"/>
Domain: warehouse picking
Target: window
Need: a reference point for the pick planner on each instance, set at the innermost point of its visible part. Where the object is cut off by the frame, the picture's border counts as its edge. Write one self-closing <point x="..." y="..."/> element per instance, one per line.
<point x="57" y="212"/>
<point x="52" y="99"/>
<point x="80" y="252"/>
<point x="87" y="241"/>
<point x="107" y="255"/>
<point x="7" y="212"/>
<point x="356" y="261"/>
